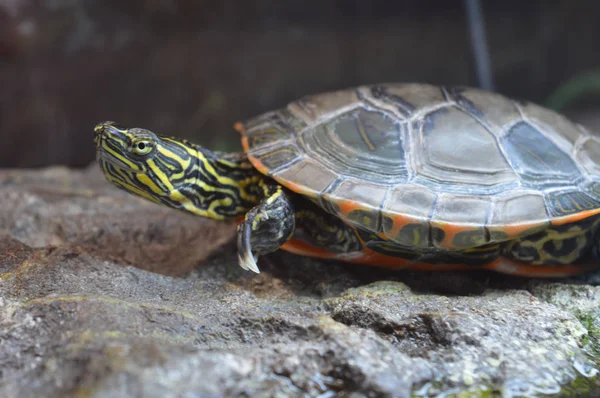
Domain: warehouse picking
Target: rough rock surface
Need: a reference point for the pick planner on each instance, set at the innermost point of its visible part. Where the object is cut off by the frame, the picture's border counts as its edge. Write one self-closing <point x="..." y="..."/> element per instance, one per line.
<point x="103" y="294"/>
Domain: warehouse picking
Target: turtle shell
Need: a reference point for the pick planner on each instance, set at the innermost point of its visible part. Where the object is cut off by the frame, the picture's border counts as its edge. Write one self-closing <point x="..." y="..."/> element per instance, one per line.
<point x="432" y="167"/>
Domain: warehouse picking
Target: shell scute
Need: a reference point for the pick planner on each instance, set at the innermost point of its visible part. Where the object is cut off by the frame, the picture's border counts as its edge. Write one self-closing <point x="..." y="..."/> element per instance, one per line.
<point x="363" y="208"/>
<point x="408" y="206"/>
<point x="369" y="139"/>
<point x="547" y="120"/>
<point x="537" y="159"/>
<point x="463" y="219"/>
<point x="570" y="202"/>
<point x="475" y="157"/>
<point x="307" y="177"/>
<point x="514" y="207"/>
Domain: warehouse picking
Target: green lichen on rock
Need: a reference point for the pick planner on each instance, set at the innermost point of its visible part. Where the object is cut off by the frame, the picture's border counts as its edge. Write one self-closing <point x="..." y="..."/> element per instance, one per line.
<point x="583" y="301"/>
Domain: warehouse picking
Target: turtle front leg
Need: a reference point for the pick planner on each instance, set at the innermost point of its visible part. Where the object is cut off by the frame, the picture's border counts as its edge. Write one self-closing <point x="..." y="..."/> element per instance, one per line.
<point x="265" y="228"/>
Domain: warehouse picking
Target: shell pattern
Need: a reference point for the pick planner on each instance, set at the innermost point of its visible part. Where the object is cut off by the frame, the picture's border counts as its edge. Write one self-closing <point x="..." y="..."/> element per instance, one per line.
<point x="428" y="166"/>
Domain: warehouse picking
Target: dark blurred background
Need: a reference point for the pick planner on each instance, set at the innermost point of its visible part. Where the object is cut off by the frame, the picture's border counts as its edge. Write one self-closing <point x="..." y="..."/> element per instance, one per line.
<point x="192" y="68"/>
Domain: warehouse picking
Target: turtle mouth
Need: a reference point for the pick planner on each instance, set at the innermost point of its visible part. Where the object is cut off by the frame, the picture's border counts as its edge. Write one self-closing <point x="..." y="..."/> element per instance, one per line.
<point x="103" y="157"/>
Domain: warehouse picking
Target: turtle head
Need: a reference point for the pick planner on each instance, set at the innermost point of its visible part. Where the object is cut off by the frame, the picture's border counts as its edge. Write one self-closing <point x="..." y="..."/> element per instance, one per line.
<point x="172" y="172"/>
<point x="127" y="151"/>
<point x="145" y="164"/>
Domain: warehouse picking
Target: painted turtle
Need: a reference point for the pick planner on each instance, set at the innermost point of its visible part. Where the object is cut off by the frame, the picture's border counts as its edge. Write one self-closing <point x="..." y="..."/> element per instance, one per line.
<point x="396" y="175"/>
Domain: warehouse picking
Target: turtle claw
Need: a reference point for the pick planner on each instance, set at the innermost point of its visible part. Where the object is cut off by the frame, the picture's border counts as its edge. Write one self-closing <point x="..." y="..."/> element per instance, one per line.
<point x="248" y="263"/>
<point x="265" y="228"/>
<point x="246" y="259"/>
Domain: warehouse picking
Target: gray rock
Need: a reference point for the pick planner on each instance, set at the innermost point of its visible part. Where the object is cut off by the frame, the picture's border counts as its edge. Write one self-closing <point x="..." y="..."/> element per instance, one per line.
<point x="103" y="295"/>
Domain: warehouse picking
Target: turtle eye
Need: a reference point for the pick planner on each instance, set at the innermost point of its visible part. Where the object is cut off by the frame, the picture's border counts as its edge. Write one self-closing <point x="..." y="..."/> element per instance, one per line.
<point x="142" y="147"/>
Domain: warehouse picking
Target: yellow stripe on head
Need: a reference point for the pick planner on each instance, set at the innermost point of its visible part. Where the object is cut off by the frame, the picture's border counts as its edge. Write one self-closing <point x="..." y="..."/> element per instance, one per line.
<point x="176" y="173"/>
